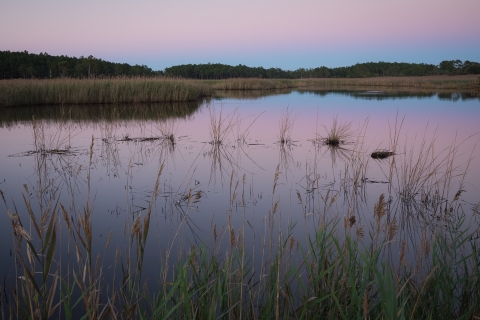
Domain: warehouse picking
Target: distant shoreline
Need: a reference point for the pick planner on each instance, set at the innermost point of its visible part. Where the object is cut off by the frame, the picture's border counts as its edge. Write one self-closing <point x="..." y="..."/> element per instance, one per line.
<point x="29" y="92"/>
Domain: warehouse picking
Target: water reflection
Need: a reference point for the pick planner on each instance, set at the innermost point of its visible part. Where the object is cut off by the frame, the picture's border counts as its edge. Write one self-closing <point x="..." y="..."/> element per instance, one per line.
<point x="364" y="93"/>
<point x="150" y="181"/>
<point x="99" y="112"/>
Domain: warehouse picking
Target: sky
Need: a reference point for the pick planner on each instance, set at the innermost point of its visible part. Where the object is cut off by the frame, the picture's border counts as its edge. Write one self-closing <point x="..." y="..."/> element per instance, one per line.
<point x="279" y="34"/>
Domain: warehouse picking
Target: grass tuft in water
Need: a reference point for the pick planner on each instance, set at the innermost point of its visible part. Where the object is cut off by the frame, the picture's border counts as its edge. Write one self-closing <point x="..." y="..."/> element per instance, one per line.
<point x="339" y="133"/>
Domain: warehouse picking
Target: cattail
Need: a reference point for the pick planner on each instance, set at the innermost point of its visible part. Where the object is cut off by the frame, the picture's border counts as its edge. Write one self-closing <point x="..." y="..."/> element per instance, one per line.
<point x="235" y="193"/>
<point x="334" y="198"/>
<point x="402" y="255"/>
<point x="360" y="232"/>
<point x="65" y="217"/>
<point x="365" y="305"/>
<point x="392" y="229"/>
<point x="232" y="237"/>
<point x="275" y="207"/>
<point x="109" y="239"/>
<point x="475" y="209"/>
<point x="136" y="228"/>
<point x="457" y="195"/>
<point x="425" y="245"/>
<point x="21" y="231"/>
<point x="352" y="220"/>
<point x="275" y="179"/>
<point x="299" y="197"/>
<point x="379" y="208"/>
<point x="44" y="220"/>
<point x="292" y="242"/>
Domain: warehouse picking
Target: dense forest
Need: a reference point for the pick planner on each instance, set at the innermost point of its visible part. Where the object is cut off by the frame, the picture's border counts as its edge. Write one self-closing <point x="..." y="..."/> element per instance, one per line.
<point x="28" y="65"/>
<point x="359" y="70"/>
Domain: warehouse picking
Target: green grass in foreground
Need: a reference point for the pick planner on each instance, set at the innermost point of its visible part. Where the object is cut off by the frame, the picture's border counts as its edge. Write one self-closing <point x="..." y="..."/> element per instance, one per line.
<point x="338" y="273"/>
<point x="140" y="90"/>
<point x="329" y="278"/>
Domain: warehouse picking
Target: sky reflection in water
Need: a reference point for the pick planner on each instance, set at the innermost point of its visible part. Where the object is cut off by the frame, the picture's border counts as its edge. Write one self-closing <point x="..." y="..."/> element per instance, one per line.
<point x="234" y="181"/>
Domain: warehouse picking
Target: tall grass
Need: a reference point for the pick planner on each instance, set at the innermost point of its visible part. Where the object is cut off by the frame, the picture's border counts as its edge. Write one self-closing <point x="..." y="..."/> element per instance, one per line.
<point x="339" y="271"/>
<point x="467" y="82"/>
<point x="221" y="126"/>
<point x="339" y="133"/>
<point x="99" y="91"/>
<point x="135" y="90"/>
<point x="286" y="124"/>
<point x="332" y="277"/>
<point x="421" y="168"/>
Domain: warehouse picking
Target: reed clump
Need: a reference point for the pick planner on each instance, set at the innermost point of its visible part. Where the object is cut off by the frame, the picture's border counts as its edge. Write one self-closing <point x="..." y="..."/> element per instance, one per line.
<point x="221" y="126"/>
<point x="339" y="133"/>
<point x="286" y="124"/>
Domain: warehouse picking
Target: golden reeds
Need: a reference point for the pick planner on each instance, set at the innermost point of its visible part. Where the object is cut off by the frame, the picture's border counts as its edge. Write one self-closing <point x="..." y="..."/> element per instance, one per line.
<point x="99" y="91"/>
<point x="29" y="92"/>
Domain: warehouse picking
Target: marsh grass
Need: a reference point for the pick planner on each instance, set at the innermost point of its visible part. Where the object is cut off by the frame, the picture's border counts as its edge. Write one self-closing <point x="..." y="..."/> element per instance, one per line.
<point x="465" y="82"/>
<point x="32" y="92"/>
<point x="168" y="130"/>
<point x="286" y="124"/>
<point x="339" y="133"/>
<point x="426" y="169"/>
<point x="99" y="91"/>
<point x="331" y="276"/>
<point x="340" y="270"/>
<point x="221" y="126"/>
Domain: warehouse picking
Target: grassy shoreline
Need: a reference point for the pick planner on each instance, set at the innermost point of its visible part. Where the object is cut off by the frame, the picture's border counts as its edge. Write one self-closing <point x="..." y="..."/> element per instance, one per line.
<point x="31" y="92"/>
<point x="99" y="91"/>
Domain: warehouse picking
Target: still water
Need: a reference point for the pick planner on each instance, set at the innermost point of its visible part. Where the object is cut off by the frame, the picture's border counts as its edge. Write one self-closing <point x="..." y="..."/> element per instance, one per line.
<point x="251" y="186"/>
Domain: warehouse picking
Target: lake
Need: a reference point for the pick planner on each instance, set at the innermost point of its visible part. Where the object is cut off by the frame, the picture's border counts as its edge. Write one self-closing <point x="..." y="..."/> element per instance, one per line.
<point x="216" y="173"/>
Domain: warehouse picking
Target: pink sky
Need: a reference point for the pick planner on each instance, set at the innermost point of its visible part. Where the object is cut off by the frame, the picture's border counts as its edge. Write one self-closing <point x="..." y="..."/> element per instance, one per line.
<point x="280" y="33"/>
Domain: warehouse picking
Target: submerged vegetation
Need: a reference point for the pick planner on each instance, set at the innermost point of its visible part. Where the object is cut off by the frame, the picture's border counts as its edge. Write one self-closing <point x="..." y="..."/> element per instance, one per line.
<point x="348" y="267"/>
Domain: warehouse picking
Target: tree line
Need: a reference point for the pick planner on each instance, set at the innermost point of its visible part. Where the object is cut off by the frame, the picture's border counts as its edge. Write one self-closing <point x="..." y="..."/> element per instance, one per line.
<point x="359" y="70"/>
<point x="29" y="65"/>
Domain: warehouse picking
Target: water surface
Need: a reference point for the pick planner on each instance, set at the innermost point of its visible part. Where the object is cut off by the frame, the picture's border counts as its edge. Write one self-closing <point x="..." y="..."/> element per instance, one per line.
<point x="250" y="185"/>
